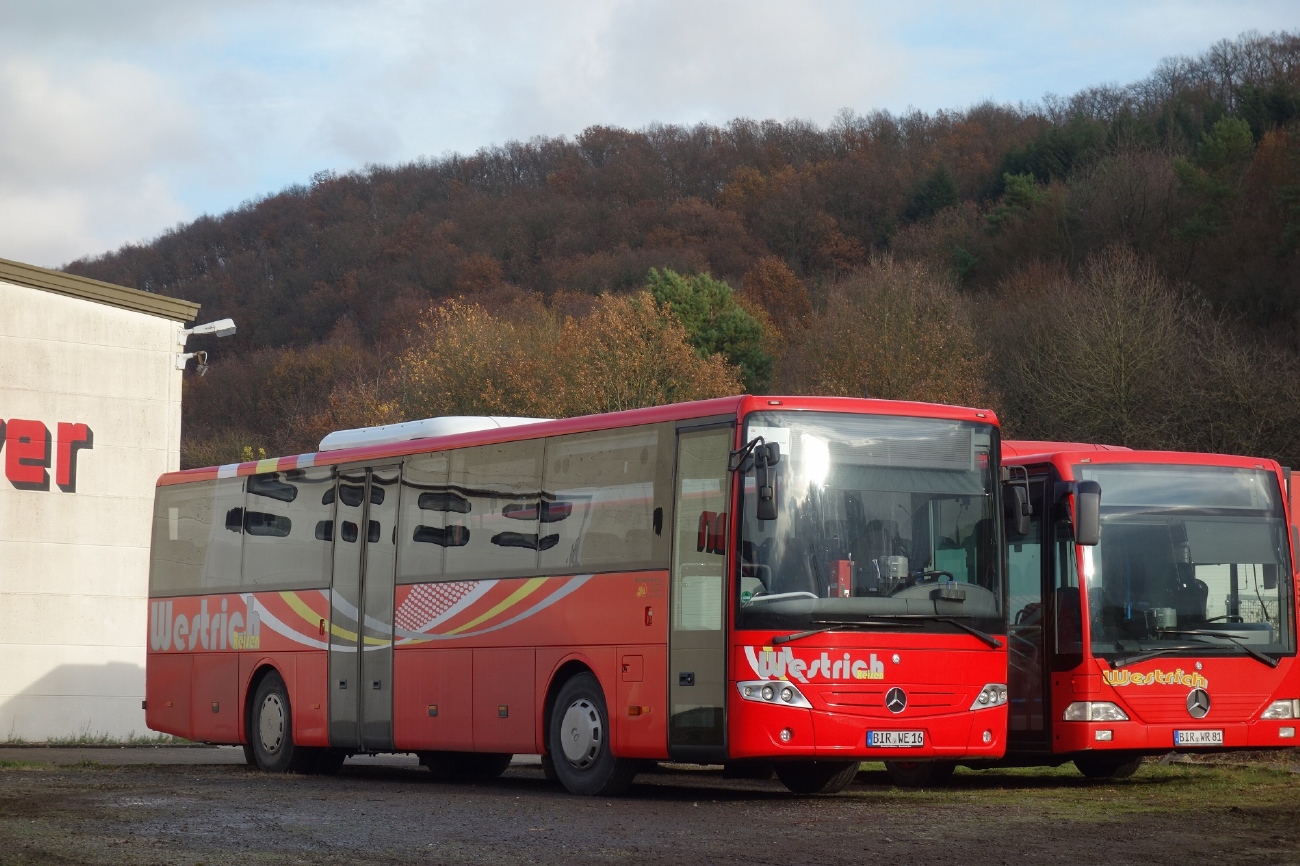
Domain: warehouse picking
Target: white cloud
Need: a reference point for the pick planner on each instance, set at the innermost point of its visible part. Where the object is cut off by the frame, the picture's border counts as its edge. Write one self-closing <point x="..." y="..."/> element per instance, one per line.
<point x="56" y="224"/>
<point x="83" y="150"/>
<point x="117" y="119"/>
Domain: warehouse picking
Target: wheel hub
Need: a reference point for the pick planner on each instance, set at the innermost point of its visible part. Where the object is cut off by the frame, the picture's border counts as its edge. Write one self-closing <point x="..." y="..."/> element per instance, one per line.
<point x="581" y="733"/>
<point x="270" y="724"/>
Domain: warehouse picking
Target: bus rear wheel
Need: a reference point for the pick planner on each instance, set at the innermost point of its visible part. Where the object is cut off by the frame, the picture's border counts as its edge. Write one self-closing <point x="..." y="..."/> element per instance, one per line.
<point x="919" y="774"/>
<point x="465" y="766"/>
<point x="816" y="777"/>
<point x="272" y="730"/>
<point x="1102" y="765"/>
<point x="578" y="741"/>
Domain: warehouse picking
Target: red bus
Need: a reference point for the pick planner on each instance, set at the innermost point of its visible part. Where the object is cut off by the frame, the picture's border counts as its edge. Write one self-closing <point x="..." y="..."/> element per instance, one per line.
<point x="1152" y="606"/>
<point x="789" y="583"/>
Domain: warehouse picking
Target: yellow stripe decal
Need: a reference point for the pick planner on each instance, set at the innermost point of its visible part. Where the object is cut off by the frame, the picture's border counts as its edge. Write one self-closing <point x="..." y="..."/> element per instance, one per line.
<point x="530" y="586"/>
<point x="301" y="608"/>
<point x="270" y="464"/>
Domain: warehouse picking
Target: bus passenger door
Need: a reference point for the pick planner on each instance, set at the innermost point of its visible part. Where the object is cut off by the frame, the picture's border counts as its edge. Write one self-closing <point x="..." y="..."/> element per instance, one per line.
<point x="697" y="641"/>
<point x="361" y="610"/>
<point x="1027" y="632"/>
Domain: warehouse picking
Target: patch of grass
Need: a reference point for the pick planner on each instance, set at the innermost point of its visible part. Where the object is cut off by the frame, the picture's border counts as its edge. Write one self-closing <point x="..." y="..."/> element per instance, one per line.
<point x="1060" y="792"/>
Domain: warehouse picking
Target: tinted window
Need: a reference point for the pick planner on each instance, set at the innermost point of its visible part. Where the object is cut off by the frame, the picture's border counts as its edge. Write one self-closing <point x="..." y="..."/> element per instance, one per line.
<point x="502" y="484"/>
<point x="428" y="520"/>
<point x="197" y="530"/>
<point x="601" y="494"/>
<point x="283" y="543"/>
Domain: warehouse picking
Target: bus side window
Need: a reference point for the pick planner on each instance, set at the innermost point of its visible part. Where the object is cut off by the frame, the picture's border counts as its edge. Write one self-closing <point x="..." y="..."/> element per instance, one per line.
<point x="600" y="494"/>
<point x="502" y="484"/>
<point x="193" y="548"/>
<point x="430" y="519"/>
<point x="282" y="547"/>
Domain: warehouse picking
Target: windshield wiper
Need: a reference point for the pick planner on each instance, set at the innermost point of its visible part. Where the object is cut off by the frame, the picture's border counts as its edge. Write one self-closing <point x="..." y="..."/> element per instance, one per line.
<point x="1254" y="653"/>
<point x="839" y="625"/>
<point x="989" y="639"/>
<point x="1150" y="654"/>
<point x="969" y="629"/>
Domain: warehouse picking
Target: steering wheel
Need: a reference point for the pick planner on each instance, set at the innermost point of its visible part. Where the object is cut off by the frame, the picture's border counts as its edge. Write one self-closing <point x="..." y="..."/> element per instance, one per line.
<point x="921" y="578"/>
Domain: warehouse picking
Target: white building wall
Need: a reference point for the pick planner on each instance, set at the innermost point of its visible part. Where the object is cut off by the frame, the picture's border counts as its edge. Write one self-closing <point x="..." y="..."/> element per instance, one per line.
<point x="74" y="567"/>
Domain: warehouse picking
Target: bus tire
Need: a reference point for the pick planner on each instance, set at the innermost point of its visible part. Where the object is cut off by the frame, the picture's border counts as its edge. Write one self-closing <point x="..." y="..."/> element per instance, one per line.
<point x="579" y="741"/>
<point x="1108" y="765"/>
<point x="919" y="774"/>
<point x="816" y="777"/>
<point x="250" y="756"/>
<point x="272" y="730"/>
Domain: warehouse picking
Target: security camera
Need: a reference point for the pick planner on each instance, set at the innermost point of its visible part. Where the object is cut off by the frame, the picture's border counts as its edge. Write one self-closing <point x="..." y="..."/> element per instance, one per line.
<point x="200" y="357"/>
<point x="220" y="328"/>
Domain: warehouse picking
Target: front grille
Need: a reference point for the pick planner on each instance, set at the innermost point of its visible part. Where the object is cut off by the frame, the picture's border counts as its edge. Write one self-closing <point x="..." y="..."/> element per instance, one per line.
<point x="870" y="700"/>
<point x="1170" y="708"/>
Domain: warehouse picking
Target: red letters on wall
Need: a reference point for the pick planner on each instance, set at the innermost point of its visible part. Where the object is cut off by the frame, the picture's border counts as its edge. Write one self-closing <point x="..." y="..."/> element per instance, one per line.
<point x="27" y="453"/>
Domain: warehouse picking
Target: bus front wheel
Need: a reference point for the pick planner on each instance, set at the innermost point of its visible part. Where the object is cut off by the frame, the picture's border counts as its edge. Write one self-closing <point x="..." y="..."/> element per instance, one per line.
<point x="272" y="730"/>
<point x="1102" y="765"/>
<point x="919" y="774"/>
<point x="816" y="777"/>
<point x="578" y="741"/>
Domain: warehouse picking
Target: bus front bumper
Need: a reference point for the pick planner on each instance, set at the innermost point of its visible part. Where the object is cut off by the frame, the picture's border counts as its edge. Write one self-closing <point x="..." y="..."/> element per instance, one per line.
<point x="758" y="731"/>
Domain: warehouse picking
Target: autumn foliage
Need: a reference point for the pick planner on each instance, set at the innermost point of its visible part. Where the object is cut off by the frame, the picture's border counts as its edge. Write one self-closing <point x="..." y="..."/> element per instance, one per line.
<point x="1119" y="264"/>
<point x="626" y="353"/>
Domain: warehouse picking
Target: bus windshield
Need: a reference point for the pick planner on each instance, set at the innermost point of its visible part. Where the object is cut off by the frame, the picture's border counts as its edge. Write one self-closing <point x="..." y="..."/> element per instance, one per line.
<point x="878" y="517"/>
<point x="1189" y="555"/>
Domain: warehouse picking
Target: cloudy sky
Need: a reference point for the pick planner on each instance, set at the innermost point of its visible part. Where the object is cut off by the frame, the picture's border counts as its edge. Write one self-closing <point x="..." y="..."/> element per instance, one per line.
<point x="121" y="119"/>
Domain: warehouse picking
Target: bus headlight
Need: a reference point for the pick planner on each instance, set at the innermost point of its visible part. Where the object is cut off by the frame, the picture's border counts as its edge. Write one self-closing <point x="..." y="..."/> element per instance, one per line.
<point x="1093" y="711"/>
<point x="773" y="692"/>
<point x="1282" y="710"/>
<point x="992" y="695"/>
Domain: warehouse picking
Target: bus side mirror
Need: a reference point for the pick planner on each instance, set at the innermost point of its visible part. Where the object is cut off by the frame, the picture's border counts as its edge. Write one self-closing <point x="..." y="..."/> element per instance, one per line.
<point x="1017" y="510"/>
<point x="766" y="456"/>
<point x="1087" y="513"/>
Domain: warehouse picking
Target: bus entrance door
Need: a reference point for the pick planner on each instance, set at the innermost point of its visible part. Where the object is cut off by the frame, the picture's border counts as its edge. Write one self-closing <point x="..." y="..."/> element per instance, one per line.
<point x="361" y="609"/>
<point x="1028" y="574"/>
<point x="697" y="648"/>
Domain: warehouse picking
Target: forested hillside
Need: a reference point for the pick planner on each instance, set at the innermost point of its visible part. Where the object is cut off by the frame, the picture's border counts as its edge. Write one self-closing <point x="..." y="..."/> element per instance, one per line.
<point x="1120" y="265"/>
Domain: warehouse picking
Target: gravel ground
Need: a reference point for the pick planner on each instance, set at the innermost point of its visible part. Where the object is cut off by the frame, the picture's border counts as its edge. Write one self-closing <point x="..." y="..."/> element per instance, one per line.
<point x="192" y="806"/>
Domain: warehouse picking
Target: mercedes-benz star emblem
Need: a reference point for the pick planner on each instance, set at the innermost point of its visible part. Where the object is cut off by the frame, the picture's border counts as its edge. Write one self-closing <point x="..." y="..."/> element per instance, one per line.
<point x="896" y="700"/>
<point x="1198" y="703"/>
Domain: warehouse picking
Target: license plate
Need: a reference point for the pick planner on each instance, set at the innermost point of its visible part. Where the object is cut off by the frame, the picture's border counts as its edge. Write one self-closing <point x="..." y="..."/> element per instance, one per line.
<point x="895" y="739"/>
<point x="1198" y="738"/>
